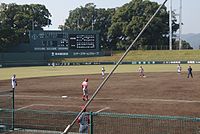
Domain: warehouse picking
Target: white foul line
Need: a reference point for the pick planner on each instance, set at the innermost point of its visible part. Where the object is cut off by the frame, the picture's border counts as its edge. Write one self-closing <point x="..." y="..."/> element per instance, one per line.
<point x="164" y="100"/>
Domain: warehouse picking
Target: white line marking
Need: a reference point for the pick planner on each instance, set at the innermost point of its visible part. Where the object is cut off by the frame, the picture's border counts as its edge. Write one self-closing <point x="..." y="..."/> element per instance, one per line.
<point x="115" y="99"/>
<point x="102" y="110"/>
<point x="29" y="96"/>
<point x="148" y="100"/>
<point x="164" y="100"/>
<point x="24" y="107"/>
<point x="51" y="105"/>
<point x="32" y="105"/>
<point x="58" y="97"/>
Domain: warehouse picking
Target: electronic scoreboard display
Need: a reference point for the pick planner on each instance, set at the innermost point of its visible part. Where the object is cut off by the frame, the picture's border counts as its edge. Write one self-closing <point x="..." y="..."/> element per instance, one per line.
<point x="64" y="40"/>
<point x="82" y="41"/>
<point x="69" y="42"/>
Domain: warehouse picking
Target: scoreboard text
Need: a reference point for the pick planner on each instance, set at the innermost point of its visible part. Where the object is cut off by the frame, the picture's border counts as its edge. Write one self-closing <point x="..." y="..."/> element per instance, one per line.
<point x="64" y="40"/>
<point x="82" y="41"/>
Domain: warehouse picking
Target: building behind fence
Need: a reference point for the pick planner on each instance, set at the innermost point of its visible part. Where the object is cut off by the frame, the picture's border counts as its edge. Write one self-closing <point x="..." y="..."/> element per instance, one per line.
<point x="44" y="122"/>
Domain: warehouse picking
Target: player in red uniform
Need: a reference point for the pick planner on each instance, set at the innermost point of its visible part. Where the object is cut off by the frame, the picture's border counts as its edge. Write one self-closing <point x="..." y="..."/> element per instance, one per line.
<point x="84" y="86"/>
<point x="83" y="121"/>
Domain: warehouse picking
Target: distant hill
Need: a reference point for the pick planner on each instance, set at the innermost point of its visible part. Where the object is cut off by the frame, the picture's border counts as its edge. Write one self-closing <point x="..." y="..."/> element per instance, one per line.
<point x="193" y="39"/>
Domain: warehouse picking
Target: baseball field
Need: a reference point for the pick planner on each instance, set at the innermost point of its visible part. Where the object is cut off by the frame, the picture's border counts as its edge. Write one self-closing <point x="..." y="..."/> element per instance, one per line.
<point x="162" y="92"/>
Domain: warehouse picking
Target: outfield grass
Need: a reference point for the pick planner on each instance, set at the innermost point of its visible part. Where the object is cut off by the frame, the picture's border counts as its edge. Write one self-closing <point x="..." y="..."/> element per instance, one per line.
<point x="153" y="55"/>
<point x="175" y="55"/>
<point x="41" y="71"/>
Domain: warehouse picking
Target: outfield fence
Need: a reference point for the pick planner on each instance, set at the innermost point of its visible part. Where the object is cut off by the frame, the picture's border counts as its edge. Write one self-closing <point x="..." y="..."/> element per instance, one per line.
<point x="35" y="121"/>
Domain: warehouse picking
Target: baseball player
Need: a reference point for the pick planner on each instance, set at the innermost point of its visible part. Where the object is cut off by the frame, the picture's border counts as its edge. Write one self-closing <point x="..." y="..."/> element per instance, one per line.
<point x="84" y="86"/>
<point x="179" y="68"/>
<point x="190" y="72"/>
<point x="53" y="64"/>
<point x="103" y="72"/>
<point x="83" y="121"/>
<point x="13" y="82"/>
<point x="141" y="71"/>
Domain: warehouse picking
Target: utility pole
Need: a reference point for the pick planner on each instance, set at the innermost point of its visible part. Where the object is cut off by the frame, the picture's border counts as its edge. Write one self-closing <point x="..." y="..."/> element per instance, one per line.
<point x="180" y="25"/>
<point x="170" y="25"/>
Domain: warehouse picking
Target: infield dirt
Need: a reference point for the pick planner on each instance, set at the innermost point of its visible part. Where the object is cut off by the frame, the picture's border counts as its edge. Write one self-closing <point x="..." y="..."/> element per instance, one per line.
<point x="158" y="93"/>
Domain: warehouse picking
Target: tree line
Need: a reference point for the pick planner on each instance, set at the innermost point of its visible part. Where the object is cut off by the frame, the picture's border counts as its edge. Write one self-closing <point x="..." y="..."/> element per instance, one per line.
<point x="17" y="20"/>
<point x="118" y="26"/>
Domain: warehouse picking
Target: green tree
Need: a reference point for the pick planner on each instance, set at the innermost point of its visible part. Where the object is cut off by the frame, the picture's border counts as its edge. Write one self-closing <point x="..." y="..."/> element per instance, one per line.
<point x="17" y="20"/>
<point x="185" y="45"/>
<point x="90" y="18"/>
<point x="129" y="20"/>
<point x="80" y="18"/>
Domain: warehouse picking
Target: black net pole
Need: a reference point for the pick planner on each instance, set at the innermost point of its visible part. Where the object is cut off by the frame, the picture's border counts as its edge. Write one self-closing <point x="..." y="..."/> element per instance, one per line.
<point x="13" y="109"/>
<point x="114" y="68"/>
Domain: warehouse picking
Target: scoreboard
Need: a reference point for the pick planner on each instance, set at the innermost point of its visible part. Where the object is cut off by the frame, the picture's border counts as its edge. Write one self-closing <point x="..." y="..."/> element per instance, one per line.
<point x="65" y="43"/>
<point x="82" y="41"/>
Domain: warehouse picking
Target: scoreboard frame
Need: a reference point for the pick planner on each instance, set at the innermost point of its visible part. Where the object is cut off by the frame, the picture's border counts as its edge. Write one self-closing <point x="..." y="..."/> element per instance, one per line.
<point x="65" y="43"/>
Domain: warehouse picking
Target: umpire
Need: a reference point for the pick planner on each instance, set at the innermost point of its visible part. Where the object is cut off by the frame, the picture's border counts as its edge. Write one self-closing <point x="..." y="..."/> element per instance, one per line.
<point x="190" y="72"/>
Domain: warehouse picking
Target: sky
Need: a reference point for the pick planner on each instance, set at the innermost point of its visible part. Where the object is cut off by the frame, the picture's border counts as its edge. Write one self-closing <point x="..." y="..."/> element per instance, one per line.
<point x="60" y="10"/>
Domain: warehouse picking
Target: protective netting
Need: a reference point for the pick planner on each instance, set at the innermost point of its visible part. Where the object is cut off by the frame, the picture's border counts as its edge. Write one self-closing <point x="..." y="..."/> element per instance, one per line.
<point x="40" y="122"/>
<point x="43" y="121"/>
<point x="107" y="123"/>
<point x="6" y="115"/>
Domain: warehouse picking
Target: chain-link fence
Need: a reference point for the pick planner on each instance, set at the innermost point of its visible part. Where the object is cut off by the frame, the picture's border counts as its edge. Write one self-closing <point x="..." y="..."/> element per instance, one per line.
<point x="34" y="122"/>
<point x="6" y="110"/>
<point x="53" y="122"/>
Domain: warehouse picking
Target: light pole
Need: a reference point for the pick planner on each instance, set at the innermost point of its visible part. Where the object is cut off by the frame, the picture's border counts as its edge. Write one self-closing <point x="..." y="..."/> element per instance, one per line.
<point x="170" y="25"/>
<point x="93" y="22"/>
<point x="180" y="25"/>
<point x="33" y="25"/>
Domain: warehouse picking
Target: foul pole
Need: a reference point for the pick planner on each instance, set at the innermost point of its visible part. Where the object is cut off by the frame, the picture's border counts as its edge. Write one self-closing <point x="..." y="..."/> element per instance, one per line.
<point x="67" y="129"/>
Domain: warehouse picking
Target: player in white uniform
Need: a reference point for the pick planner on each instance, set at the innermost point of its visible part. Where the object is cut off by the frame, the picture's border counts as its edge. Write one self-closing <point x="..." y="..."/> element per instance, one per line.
<point x="141" y="71"/>
<point x="84" y="86"/>
<point x="83" y="121"/>
<point x="179" y="68"/>
<point x="103" y="72"/>
<point x="13" y="82"/>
